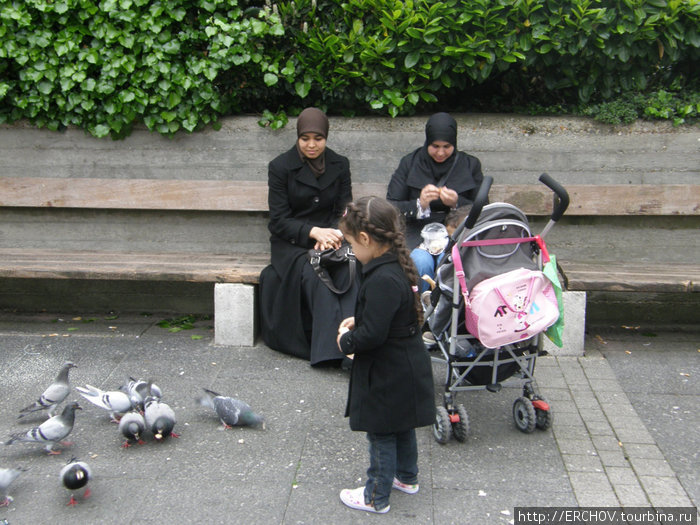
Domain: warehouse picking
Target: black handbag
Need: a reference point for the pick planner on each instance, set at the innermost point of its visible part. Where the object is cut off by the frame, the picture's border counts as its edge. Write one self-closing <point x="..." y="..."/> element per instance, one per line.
<point x="324" y="260"/>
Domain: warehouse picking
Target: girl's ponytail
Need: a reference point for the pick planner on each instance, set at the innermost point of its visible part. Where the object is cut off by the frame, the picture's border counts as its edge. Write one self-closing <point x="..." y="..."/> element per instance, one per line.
<point x="409" y="268"/>
<point x="380" y="219"/>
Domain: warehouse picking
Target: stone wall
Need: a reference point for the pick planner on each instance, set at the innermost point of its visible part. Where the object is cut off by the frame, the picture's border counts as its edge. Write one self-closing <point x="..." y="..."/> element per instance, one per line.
<point x="512" y="149"/>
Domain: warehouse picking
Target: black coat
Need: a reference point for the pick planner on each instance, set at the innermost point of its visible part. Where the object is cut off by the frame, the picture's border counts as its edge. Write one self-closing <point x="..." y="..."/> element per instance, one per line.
<point x="411" y="177"/>
<point x="298" y="201"/>
<point x="391" y="382"/>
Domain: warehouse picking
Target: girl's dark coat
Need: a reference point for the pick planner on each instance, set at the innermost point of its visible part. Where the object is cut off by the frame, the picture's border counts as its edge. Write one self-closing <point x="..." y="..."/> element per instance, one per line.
<point x="391" y="382"/>
<point x="298" y="201"/>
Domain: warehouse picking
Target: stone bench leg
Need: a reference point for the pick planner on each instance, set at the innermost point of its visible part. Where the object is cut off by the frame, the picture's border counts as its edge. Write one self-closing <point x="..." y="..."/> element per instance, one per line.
<point x="234" y="314"/>
<point x="574" y="327"/>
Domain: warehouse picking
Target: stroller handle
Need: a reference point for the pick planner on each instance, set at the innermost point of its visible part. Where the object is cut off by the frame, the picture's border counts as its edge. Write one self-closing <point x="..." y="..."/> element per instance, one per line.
<point x="560" y="204"/>
<point x="482" y="198"/>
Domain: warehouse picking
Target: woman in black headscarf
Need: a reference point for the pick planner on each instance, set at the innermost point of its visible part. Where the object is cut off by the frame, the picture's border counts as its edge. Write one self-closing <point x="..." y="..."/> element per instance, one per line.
<point x="308" y="189"/>
<point x="431" y="181"/>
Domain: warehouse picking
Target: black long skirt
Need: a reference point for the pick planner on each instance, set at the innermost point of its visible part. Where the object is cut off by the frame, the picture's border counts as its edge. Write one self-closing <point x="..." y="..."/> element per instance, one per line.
<point x="300" y="315"/>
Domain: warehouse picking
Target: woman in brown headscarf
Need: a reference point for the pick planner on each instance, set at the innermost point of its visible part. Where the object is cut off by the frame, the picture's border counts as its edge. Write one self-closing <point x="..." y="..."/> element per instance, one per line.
<point x="308" y="189"/>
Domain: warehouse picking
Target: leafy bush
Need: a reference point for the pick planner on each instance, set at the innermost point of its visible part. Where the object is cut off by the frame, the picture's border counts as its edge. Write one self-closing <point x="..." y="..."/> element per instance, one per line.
<point x="396" y="55"/>
<point x="678" y="107"/>
<point x="105" y="65"/>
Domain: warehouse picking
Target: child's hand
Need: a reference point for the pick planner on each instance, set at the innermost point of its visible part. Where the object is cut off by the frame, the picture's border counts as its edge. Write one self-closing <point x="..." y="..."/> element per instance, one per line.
<point x="348" y="323"/>
<point x="345" y="326"/>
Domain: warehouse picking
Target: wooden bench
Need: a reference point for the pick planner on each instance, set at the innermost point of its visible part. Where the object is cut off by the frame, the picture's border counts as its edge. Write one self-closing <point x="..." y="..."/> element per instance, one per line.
<point x="636" y="277"/>
<point x="236" y="274"/>
<point x="226" y="195"/>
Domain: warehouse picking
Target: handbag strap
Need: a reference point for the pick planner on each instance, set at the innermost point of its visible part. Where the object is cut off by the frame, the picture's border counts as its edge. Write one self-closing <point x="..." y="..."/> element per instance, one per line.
<point x="459" y="272"/>
<point x="326" y="278"/>
<point x="443" y="179"/>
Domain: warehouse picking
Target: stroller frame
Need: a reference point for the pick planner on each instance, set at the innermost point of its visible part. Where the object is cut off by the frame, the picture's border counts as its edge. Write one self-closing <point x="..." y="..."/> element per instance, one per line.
<point x="489" y="366"/>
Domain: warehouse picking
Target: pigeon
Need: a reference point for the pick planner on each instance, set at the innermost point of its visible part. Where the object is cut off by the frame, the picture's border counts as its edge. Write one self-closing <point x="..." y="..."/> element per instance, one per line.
<point x="7" y="476"/>
<point x="74" y="476"/>
<point x="116" y="401"/>
<point x="138" y="390"/>
<point x="51" y="431"/>
<point x="231" y="411"/>
<point x="132" y="425"/>
<point x="160" y="418"/>
<point x="53" y="395"/>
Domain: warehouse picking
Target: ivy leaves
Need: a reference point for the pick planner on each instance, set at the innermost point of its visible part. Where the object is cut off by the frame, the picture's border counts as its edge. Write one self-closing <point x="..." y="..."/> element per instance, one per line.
<point x="107" y="65"/>
<point x="392" y="55"/>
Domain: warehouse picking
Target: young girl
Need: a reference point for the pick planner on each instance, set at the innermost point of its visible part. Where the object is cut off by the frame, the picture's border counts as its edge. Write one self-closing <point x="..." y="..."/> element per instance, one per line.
<point x="391" y="382"/>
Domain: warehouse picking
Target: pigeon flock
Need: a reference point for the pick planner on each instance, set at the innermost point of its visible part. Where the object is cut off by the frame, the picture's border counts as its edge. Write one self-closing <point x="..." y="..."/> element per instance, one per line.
<point x="137" y="407"/>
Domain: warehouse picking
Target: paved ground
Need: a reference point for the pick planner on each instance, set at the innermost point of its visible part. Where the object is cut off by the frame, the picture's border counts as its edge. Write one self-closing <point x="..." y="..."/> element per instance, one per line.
<point x="625" y="433"/>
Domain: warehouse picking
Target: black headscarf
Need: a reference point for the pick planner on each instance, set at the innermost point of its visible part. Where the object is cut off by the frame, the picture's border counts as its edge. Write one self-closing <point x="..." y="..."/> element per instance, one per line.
<point x="440" y="126"/>
<point x="313" y="120"/>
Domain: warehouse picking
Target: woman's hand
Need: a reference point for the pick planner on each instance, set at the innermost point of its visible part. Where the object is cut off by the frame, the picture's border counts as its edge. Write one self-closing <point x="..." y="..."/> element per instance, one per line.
<point x="449" y="197"/>
<point x="326" y="238"/>
<point x="428" y="194"/>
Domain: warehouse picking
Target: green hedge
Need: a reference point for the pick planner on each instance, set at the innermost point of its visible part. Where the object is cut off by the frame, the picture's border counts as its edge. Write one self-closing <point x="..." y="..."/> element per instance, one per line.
<point x="105" y="65"/>
<point x="181" y="64"/>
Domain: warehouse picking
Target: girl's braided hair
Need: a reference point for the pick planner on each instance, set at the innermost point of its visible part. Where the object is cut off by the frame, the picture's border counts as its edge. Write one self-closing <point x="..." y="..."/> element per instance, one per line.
<point x="381" y="221"/>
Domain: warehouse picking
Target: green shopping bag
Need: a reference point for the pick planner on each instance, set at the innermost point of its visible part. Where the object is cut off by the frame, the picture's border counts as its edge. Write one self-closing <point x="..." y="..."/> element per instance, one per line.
<point x="556" y="331"/>
<point x="549" y="269"/>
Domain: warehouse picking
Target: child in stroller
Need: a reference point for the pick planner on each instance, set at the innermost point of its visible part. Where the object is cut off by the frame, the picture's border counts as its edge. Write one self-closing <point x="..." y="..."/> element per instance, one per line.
<point x="480" y="349"/>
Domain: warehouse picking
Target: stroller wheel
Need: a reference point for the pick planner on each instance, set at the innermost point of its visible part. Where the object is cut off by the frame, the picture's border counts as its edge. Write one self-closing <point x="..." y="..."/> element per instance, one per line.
<point x="524" y="415"/>
<point x="460" y="428"/>
<point x="543" y="413"/>
<point x="442" y="428"/>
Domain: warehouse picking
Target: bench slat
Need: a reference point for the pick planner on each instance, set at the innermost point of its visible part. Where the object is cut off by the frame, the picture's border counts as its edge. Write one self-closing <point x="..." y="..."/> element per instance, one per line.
<point x="228" y="195"/>
<point x="132" y="266"/>
<point x="636" y="277"/>
<point x="135" y="194"/>
<point x="246" y="268"/>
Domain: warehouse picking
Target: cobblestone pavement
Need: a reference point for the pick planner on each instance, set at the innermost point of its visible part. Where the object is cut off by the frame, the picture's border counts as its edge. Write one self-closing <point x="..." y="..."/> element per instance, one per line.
<point x="624" y="432"/>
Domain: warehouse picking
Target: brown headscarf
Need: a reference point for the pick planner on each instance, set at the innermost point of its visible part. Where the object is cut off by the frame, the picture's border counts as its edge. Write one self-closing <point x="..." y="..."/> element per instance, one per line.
<point x="313" y="120"/>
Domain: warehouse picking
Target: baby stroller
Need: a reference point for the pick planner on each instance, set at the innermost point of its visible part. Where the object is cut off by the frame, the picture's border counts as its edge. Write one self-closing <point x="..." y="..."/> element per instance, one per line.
<point x="492" y="256"/>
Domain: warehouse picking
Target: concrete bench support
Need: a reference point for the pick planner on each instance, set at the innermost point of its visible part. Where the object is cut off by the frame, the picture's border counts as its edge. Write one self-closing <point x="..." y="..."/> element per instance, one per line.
<point x="234" y="314"/>
<point x="574" y="326"/>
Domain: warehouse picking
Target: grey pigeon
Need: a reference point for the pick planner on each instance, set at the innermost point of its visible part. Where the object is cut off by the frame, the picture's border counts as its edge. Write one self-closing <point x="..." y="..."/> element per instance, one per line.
<point x="54" y="394"/>
<point x="116" y="401"/>
<point x="74" y="476"/>
<point x="160" y="418"/>
<point x="7" y="476"/>
<point x="138" y="390"/>
<point x="51" y="431"/>
<point x="132" y="425"/>
<point x="231" y="411"/>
